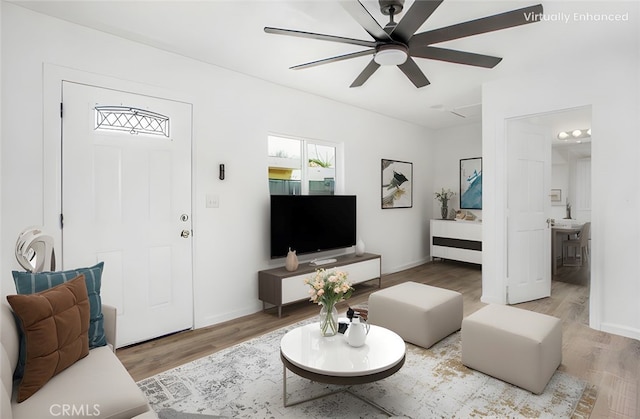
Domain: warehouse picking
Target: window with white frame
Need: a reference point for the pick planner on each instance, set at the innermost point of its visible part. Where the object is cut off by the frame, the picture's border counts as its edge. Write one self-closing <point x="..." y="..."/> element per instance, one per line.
<point x="301" y="166"/>
<point x="131" y="120"/>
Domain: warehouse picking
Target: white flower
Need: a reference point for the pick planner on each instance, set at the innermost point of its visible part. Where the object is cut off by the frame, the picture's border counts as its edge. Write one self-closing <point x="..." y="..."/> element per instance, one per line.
<point x="329" y="287"/>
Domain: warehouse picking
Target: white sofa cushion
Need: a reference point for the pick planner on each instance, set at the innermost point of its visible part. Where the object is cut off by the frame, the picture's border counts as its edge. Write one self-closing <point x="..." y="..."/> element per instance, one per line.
<point x="5" y="394"/>
<point x="98" y="386"/>
<point x="8" y="357"/>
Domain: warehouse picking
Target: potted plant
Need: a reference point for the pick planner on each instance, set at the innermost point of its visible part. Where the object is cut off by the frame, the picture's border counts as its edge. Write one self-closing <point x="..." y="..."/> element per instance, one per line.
<point x="443" y="196"/>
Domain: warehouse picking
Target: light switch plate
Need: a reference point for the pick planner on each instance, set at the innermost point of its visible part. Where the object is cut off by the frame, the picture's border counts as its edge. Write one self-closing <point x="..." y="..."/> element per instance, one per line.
<point x="213" y="201"/>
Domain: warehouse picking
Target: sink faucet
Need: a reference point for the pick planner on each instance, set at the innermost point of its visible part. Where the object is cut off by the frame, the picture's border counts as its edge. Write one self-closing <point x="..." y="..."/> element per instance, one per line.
<point x="568" y="217"/>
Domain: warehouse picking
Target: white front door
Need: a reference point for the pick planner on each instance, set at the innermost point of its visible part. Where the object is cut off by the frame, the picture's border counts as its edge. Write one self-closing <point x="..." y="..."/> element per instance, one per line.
<point x="528" y="208"/>
<point x="126" y="200"/>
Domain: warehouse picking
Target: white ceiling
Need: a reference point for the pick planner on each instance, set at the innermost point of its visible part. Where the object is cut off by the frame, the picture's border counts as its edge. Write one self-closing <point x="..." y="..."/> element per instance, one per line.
<point x="230" y="34"/>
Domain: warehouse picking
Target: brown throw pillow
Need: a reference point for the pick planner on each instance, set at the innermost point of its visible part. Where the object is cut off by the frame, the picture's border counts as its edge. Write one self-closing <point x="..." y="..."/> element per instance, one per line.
<point x="55" y="323"/>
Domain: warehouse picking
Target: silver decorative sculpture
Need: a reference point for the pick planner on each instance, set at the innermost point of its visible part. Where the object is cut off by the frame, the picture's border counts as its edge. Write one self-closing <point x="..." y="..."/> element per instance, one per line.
<point x="34" y="250"/>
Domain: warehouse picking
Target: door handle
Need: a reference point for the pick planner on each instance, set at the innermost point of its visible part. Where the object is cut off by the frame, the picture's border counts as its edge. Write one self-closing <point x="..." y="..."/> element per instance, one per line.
<point x="185" y="234"/>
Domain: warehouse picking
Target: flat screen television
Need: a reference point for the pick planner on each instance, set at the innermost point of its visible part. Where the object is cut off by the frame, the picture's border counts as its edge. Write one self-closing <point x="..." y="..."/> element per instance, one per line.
<point x="312" y="223"/>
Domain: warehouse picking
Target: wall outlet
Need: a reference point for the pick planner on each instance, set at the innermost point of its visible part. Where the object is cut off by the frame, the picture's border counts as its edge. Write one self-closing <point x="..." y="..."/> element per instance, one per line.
<point x="212" y="201"/>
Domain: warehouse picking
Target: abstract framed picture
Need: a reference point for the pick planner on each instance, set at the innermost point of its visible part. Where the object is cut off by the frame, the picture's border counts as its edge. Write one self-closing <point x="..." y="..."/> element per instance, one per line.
<point x="471" y="183"/>
<point x="396" y="184"/>
<point x="556" y="196"/>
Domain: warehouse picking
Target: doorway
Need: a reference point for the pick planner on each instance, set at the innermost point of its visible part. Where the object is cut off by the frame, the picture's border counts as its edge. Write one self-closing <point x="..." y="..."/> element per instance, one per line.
<point x="571" y="183"/>
<point x="567" y="199"/>
<point x="126" y="200"/>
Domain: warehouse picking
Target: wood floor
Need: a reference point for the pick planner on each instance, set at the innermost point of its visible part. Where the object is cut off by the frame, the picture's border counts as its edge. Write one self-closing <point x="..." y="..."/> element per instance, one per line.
<point x="609" y="361"/>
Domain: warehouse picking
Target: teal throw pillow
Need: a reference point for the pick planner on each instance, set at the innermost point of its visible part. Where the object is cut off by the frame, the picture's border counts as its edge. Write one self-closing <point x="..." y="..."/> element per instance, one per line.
<point x="30" y="283"/>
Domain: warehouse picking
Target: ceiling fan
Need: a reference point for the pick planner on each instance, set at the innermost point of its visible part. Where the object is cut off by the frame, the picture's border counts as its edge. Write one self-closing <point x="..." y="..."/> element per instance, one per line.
<point x="397" y="43"/>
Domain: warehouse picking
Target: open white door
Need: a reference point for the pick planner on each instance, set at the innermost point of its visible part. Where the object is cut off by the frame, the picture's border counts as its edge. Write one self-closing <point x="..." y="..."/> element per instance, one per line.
<point x="126" y="200"/>
<point x="528" y="209"/>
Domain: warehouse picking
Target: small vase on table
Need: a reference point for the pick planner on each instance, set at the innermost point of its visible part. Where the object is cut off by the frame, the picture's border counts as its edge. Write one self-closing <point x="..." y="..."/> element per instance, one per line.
<point x="444" y="212"/>
<point x="328" y="320"/>
<point x="326" y="289"/>
<point x="291" y="263"/>
<point x="359" y="248"/>
<point x="443" y="196"/>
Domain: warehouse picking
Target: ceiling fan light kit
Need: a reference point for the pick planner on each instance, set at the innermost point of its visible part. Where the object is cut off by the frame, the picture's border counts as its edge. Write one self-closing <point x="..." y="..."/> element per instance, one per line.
<point x="397" y="43"/>
<point x="391" y="55"/>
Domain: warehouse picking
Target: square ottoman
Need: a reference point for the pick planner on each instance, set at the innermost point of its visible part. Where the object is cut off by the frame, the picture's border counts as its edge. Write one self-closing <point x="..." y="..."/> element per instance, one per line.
<point x="419" y="313"/>
<point x="518" y="346"/>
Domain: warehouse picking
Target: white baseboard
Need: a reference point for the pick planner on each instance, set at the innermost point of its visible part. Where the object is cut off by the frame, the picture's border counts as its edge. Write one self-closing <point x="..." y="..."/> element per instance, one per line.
<point x="491" y="300"/>
<point x="406" y="266"/>
<point x="616" y="329"/>
<point x="220" y="318"/>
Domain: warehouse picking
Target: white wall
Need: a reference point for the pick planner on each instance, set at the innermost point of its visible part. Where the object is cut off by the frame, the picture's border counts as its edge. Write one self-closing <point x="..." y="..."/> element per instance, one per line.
<point x="452" y="145"/>
<point x="2" y="265"/>
<point x="233" y="114"/>
<point x="559" y="180"/>
<point x="564" y="177"/>
<point x="607" y="79"/>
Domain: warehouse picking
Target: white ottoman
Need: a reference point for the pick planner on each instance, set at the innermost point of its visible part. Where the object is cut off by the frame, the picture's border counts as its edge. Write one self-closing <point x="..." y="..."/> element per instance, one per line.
<point x="518" y="346"/>
<point x="419" y="313"/>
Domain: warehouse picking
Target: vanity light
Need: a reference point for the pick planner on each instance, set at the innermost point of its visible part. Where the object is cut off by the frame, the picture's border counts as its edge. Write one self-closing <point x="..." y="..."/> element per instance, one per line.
<point x="575" y="134"/>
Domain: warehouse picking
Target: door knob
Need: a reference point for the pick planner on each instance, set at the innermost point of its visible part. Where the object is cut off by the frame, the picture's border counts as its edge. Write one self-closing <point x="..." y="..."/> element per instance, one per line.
<point x="184" y="217"/>
<point x="185" y="234"/>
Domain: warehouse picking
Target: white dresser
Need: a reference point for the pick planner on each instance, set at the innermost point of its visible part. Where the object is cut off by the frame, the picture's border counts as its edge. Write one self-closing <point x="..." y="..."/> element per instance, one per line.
<point x="456" y="240"/>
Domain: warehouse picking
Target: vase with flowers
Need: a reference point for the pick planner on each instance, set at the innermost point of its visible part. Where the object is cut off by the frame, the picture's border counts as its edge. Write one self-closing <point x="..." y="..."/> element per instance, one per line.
<point x="443" y="196"/>
<point x="327" y="288"/>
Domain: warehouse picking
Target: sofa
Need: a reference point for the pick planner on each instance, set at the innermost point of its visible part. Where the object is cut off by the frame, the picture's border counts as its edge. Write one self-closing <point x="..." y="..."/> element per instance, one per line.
<point x="96" y="386"/>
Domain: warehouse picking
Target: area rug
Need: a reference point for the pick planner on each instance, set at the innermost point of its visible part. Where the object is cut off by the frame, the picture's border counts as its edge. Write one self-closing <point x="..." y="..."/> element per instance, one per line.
<point x="245" y="381"/>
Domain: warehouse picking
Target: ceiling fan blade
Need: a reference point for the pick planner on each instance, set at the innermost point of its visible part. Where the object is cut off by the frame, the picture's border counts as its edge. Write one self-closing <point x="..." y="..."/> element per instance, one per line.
<point x="453" y="56"/>
<point x="333" y="59"/>
<point x="364" y="18"/>
<point x="413" y="72"/>
<point x="417" y="14"/>
<point x="366" y="73"/>
<point x="319" y="36"/>
<point x="505" y="20"/>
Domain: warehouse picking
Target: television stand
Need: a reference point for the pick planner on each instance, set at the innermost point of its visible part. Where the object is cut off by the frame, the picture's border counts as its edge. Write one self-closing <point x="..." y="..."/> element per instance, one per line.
<point x="279" y="287"/>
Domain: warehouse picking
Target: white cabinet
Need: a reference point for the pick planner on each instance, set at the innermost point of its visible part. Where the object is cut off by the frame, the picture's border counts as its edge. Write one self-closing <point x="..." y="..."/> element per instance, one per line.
<point x="456" y="240"/>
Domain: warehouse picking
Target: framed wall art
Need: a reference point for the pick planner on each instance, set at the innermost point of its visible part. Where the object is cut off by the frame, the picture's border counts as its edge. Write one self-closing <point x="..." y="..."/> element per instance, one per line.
<point x="397" y="184"/>
<point x="471" y="183"/>
<point x="556" y="196"/>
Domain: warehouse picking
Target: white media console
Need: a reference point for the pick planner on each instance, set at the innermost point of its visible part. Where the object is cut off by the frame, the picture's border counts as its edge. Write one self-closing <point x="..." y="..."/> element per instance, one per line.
<point x="456" y="240"/>
<point x="279" y="287"/>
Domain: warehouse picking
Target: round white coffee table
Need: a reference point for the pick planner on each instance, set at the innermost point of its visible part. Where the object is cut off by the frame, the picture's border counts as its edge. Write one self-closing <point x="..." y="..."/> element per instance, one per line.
<point x="332" y="360"/>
